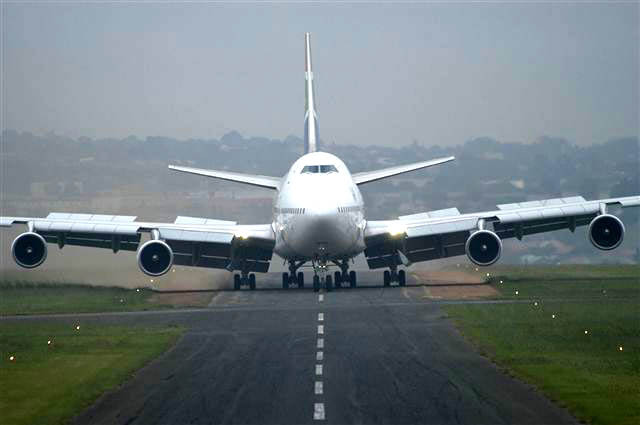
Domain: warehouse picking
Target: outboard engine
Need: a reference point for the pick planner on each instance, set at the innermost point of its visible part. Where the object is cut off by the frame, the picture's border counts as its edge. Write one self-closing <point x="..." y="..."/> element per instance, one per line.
<point x="29" y="250"/>
<point x="155" y="258"/>
<point x="483" y="247"/>
<point x="606" y="232"/>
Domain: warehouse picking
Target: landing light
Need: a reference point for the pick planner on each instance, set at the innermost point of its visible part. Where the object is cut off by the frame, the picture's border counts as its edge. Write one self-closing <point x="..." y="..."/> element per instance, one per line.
<point x="620" y="348"/>
<point x="397" y="229"/>
<point x="553" y="316"/>
<point x="242" y="234"/>
<point x="11" y="358"/>
<point x="77" y="327"/>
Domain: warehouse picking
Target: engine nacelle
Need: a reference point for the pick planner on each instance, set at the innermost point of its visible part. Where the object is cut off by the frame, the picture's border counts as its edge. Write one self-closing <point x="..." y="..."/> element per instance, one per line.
<point x="155" y="258"/>
<point x="606" y="232"/>
<point x="483" y="247"/>
<point x="29" y="250"/>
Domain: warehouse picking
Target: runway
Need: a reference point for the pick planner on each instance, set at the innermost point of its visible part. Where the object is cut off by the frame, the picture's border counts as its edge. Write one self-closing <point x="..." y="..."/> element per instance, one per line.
<point x="369" y="355"/>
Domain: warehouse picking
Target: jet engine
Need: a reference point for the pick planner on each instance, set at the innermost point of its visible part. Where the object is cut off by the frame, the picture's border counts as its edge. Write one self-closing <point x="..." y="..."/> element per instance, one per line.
<point x="606" y="232"/>
<point x="155" y="258"/>
<point x="29" y="250"/>
<point x="483" y="247"/>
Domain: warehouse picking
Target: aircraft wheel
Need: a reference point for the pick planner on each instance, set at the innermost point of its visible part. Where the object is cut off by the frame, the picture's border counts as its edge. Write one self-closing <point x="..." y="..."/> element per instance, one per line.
<point x="387" y="278"/>
<point x="285" y="280"/>
<point x="316" y="283"/>
<point x="352" y="278"/>
<point x="337" y="276"/>
<point x="402" y="278"/>
<point x="236" y="282"/>
<point x="328" y="283"/>
<point x="252" y="281"/>
<point x="300" y="280"/>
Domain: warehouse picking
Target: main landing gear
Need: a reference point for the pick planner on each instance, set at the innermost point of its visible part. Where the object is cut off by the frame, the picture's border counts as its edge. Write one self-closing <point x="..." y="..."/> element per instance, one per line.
<point x="293" y="278"/>
<point x="394" y="275"/>
<point x="244" y="279"/>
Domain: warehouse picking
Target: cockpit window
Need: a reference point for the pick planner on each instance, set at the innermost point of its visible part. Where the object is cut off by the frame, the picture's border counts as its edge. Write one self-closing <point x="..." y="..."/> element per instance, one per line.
<point x="319" y="169"/>
<point x="328" y="169"/>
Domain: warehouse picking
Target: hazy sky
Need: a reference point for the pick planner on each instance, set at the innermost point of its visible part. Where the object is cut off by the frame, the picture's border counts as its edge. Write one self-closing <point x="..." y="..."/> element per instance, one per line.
<point x="439" y="73"/>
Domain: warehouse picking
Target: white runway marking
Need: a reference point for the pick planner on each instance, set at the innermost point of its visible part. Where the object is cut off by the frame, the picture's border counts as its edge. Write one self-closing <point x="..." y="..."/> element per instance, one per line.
<point x="321" y="297"/>
<point x="319" y="369"/>
<point x="320" y="356"/>
<point x="320" y="317"/>
<point x="320" y="342"/>
<point x="318" y="389"/>
<point x="318" y="411"/>
<point x="320" y="329"/>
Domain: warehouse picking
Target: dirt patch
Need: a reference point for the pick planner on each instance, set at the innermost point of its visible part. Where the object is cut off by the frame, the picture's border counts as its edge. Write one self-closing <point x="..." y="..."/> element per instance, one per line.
<point x="188" y="299"/>
<point x="455" y="285"/>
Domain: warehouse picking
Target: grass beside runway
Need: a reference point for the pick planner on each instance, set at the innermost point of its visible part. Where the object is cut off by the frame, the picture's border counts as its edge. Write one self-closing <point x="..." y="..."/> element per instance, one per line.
<point x="577" y="340"/>
<point x="51" y="382"/>
<point x="45" y="298"/>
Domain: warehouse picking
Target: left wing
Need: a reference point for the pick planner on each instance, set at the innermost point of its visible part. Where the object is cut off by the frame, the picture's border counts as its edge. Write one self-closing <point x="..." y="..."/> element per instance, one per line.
<point x="191" y="241"/>
<point x="447" y="233"/>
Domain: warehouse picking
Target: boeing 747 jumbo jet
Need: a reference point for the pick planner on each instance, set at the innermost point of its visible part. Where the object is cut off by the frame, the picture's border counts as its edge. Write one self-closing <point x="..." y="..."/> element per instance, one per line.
<point x="318" y="219"/>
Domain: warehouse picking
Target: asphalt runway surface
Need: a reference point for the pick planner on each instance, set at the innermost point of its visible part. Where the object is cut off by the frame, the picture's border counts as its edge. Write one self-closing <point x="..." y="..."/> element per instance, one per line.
<point x="369" y="355"/>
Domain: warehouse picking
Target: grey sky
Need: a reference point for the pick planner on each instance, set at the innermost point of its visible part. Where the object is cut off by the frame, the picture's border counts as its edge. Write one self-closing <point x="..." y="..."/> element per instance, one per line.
<point x="385" y="73"/>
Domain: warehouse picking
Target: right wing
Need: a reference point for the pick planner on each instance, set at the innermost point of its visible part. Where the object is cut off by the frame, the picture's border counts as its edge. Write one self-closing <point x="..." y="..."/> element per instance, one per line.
<point x="197" y="242"/>
<point x="251" y="179"/>
<point x="444" y="233"/>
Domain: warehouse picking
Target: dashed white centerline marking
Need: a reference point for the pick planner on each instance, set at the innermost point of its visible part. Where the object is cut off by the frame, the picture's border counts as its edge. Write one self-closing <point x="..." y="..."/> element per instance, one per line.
<point x="318" y="388"/>
<point x="320" y="343"/>
<point x="321" y="297"/>
<point x="320" y="356"/>
<point x="318" y="411"/>
<point x="319" y="369"/>
<point x="320" y="317"/>
<point x="320" y="329"/>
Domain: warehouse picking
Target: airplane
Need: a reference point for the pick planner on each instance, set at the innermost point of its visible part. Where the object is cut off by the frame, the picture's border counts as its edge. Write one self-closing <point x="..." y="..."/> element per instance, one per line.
<point x="318" y="218"/>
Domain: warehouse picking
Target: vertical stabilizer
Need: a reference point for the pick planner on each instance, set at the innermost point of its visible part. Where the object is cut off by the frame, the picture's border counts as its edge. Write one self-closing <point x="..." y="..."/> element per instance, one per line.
<point x="310" y="119"/>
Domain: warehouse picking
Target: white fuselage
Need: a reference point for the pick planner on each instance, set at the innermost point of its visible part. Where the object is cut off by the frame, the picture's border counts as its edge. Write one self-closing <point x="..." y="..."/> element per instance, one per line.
<point x="318" y="213"/>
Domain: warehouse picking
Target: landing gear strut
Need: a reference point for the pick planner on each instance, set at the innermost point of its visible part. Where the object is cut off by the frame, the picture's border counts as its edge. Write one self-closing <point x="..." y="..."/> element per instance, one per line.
<point x="394" y="275"/>
<point x="344" y="276"/>
<point x="244" y="279"/>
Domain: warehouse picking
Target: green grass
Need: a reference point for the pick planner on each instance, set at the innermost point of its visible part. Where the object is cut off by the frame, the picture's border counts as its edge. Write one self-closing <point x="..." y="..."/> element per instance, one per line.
<point x="49" y="384"/>
<point x="29" y="298"/>
<point x="585" y="372"/>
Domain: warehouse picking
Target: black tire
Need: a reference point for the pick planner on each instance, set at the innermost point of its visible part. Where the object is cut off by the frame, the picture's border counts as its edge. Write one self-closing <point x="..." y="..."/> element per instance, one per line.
<point x="328" y="283"/>
<point x="352" y="279"/>
<point x="300" y="280"/>
<point x="402" y="278"/>
<point x="337" y="278"/>
<point x="236" y="282"/>
<point x="387" y="278"/>
<point x="316" y="283"/>
<point x="285" y="280"/>
<point x="252" y="281"/>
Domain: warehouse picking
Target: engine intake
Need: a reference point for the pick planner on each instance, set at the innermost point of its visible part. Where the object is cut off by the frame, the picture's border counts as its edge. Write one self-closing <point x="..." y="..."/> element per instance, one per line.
<point x="29" y="250"/>
<point x="606" y="232"/>
<point x="483" y="247"/>
<point x="155" y="258"/>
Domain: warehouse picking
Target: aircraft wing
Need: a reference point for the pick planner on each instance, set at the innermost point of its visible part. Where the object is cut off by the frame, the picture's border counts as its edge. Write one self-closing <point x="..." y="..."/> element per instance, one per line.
<point x="444" y="233"/>
<point x="197" y="242"/>
<point x="250" y="179"/>
<point x="371" y="176"/>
